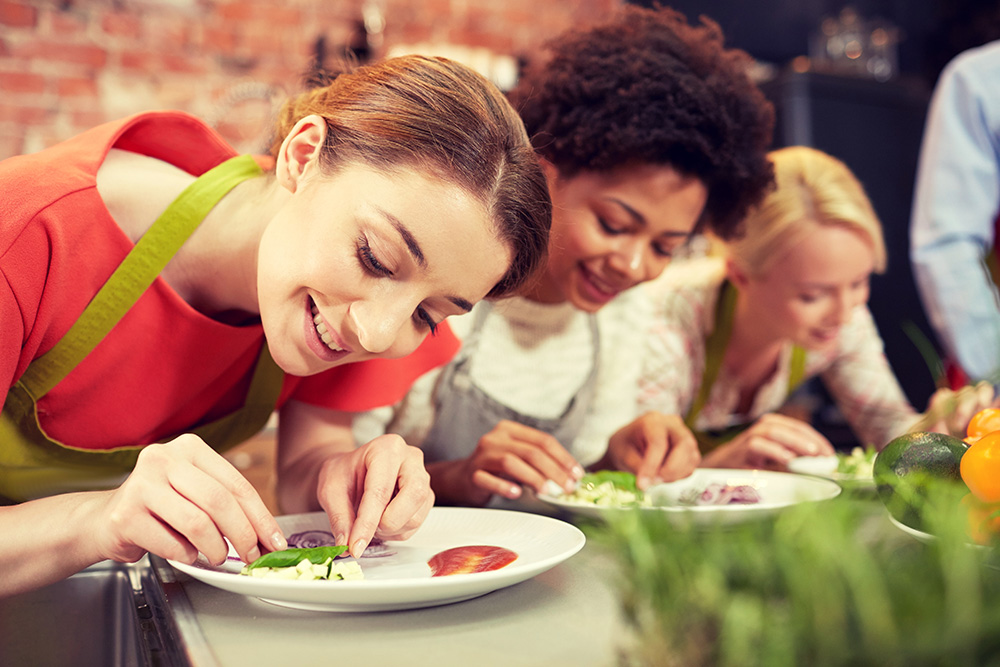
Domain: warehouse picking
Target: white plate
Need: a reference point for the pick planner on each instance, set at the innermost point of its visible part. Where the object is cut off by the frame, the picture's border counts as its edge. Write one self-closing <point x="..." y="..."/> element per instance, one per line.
<point x="927" y="538"/>
<point x="826" y="466"/>
<point x="397" y="576"/>
<point x="989" y="558"/>
<point x="776" y="489"/>
<point x="920" y="535"/>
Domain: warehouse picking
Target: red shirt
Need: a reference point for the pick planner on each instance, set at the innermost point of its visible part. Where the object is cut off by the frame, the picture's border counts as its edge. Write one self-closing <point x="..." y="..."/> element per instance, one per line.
<point x="165" y="367"/>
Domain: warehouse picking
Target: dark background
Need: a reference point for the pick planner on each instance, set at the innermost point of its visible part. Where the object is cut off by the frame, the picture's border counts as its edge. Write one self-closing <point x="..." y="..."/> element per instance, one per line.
<point x="874" y="127"/>
<point x="776" y="31"/>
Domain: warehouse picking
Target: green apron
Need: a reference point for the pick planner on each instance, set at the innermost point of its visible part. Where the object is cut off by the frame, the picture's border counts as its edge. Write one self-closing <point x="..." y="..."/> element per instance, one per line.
<point x="715" y="352"/>
<point x="33" y="465"/>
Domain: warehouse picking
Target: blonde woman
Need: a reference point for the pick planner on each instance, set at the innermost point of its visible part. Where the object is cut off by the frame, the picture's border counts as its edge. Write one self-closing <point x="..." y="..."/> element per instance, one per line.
<point x="738" y="331"/>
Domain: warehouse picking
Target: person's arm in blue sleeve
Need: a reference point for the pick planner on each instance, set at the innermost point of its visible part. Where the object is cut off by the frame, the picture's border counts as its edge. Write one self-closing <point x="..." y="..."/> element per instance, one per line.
<point x="956" y="203"/>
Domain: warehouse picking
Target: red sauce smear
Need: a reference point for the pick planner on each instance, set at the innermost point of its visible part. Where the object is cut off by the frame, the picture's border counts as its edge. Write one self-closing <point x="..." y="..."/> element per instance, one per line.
<point x="465" y="560"/>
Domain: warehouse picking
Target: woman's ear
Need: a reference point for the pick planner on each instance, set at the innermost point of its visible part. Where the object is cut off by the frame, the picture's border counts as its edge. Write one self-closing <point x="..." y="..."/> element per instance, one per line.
<point x="735" y="274"/>
<point x="551" y="172"/>
<point x="300" y="150"/>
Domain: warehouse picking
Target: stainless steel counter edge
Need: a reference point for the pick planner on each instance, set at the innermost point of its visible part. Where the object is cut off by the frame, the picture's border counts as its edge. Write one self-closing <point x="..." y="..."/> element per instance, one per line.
<point x="174" y="624"/>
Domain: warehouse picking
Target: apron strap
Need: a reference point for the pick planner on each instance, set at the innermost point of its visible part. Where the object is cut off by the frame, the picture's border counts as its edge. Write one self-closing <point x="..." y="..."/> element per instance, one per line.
<point x="136" y="273"/>
<point x="796" y="368"/>
<point x="31" y="464"/>
<point x="715" y="351"/>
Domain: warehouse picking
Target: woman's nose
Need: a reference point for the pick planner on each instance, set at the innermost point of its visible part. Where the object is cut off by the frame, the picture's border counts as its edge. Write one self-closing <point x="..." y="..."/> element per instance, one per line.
<point x="843" y="307"/>
<point x="629" y="259"/>
<point x="379" y="325"/>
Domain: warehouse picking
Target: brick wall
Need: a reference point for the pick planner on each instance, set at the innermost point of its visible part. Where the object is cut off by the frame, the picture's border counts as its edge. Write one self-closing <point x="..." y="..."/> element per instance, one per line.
<point x="66" y="65"/>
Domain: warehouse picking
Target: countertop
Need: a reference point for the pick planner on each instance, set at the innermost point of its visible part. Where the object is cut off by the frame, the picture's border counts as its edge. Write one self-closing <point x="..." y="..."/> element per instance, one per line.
<point x="568" y="615"/>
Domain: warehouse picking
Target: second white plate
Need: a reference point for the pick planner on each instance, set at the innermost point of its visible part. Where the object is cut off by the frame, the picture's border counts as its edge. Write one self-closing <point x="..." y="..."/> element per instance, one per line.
<point x="777" y="490"/>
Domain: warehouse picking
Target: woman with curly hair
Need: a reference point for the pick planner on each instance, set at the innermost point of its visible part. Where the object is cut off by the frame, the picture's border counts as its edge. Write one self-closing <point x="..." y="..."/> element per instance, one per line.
<point x="649" y="130"/>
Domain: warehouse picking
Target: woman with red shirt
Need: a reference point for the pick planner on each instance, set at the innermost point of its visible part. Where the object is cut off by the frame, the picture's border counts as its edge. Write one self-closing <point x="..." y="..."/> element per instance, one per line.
<point x="162" y="296"/>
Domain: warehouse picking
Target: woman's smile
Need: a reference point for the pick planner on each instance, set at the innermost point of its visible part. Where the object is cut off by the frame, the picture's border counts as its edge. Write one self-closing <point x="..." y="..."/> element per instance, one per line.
<point x="825" y="336"/>
<point x="321" y="338"/>
<point x="594" y="288"/>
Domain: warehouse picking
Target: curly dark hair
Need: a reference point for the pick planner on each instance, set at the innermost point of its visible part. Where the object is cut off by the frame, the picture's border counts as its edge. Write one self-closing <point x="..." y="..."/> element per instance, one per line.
<point x="648" y="88"/>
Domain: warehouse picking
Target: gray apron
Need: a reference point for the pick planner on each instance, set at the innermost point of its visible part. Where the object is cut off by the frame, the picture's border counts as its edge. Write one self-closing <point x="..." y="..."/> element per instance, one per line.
<point x="465" y="413"/>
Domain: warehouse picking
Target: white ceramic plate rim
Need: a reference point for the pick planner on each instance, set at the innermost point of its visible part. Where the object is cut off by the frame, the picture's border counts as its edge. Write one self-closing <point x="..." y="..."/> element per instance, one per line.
<point x="541" y="542"/>
<point x="824" y="489"/>
<point x="825" y="466"/>
<point x="913" y="532"/>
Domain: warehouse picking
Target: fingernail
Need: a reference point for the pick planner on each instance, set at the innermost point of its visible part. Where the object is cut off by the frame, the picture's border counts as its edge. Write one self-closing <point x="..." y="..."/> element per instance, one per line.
<point x="642" y="482"/>
<point x="253" y="555"/>
<point x="358" y="548"/>
<point x="577" y="472"/>
<point x="515" y="491"/>
<point x="279" y="542"/>
<point x="550" y="488"/>
<point x="340" y="539"/>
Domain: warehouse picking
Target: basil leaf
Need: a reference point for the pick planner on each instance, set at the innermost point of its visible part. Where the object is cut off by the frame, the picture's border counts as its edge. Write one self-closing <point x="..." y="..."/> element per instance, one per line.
<point x="292" y="557"/>
<point x="619" y="478"/>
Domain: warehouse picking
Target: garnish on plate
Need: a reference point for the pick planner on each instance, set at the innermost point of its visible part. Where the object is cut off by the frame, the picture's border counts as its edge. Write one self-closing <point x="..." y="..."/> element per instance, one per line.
<point x="304" y="564"/>
<point x="608" y="488"/>
<point x="470" y="559"/>
<point x="858" y="463"/>
<point x="717" y="493"/>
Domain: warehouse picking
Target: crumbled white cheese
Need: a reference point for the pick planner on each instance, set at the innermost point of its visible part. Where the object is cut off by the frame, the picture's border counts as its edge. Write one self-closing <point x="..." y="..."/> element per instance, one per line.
<point x="308" y="571"/>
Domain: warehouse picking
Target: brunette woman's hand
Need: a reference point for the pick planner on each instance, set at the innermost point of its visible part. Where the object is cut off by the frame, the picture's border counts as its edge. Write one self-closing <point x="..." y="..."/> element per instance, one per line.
<point x="508" y="458"/>
<point x="770" y="443"/>
<point x="380" y="488"/>
<point x="656" y="447"/>
<point x="183" y="498"/>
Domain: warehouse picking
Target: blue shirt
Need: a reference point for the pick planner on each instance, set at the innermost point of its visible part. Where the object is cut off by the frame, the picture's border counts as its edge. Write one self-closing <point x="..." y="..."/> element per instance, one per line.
<point x="956" y="203"/>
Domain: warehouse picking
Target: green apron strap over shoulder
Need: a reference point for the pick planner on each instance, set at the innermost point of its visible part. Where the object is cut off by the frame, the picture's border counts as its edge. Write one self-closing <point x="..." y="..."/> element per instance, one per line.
<point x="33" y="465"/>
<point x="136" y="273"/>
<point x="715" y="352"/>
<point x="796" y="368"/>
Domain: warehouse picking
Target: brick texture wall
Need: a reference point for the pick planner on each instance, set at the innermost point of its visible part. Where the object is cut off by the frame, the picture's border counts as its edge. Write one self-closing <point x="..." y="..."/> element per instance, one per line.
<point x="66" y="65"/>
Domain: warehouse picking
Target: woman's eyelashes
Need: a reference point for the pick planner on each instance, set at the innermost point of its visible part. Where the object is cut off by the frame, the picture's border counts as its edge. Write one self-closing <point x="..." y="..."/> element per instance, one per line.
<point x="608" y="227"/>
<point x="611" y="229"/>
<point x="811" y="298"/>
<point x="663" y="251"/>
<point x="426" y="320"/>
<point x="369" y="261"/>
<point x="377" y="268"/>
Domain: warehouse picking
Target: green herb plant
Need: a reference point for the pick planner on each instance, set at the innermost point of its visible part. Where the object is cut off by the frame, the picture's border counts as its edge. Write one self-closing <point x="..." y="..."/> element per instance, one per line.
<point x="831" y="583"/>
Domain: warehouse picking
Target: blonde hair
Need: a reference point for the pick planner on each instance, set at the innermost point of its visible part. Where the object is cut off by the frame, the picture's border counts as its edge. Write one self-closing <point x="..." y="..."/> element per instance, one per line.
<point x="811" y="188"/>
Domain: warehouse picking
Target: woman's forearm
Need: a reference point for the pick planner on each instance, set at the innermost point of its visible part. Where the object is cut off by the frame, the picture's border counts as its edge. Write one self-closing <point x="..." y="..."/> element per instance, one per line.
<point x="47" y="540"/>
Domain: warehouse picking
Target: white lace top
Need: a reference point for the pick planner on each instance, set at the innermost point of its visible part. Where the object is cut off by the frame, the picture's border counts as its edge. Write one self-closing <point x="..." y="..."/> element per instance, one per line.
<point x="533" y="358"/>
<point x="855" y="371"/>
